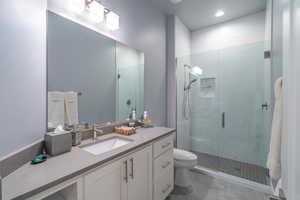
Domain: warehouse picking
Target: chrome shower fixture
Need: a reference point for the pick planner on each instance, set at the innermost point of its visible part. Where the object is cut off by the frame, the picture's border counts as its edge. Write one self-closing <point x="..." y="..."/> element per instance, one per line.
<point x="190" y="84"/>
<point x="194" y="70"/>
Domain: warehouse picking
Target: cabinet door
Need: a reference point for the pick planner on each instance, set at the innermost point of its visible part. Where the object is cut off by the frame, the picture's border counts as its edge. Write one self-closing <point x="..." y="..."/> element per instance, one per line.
<point x="140" y="175"/>
<point x="107" y="182"/>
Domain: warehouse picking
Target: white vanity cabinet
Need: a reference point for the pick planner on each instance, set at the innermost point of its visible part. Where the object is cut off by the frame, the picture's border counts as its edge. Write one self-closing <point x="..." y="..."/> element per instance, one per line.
<point x="163" y="165"/>
<point x="140" y="175"/>
<point x="147" y="174"/>
<point x="129" y="178"/>
<point x="106" y="183"/>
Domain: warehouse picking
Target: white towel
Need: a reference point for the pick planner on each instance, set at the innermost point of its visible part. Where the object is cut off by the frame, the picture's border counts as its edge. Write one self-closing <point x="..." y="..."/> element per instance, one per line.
<point x="71" y="108"/>
<point x="56" y="109"/>
<point x="274" y="157"/>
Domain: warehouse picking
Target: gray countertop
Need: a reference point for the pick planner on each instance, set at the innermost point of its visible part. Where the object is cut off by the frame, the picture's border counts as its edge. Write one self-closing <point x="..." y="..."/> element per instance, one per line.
<point x="32" y="179"/>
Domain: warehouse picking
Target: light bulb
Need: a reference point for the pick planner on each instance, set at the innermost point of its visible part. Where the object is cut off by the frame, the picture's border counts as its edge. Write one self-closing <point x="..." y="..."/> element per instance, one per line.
<point x="112" y="21"/>
<point x="219" y="13"/>
<point x="96" y="12"/>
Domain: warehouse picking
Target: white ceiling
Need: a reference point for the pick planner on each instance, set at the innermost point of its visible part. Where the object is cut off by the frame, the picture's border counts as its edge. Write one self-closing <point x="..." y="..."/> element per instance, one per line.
<point x="196" y="14"/>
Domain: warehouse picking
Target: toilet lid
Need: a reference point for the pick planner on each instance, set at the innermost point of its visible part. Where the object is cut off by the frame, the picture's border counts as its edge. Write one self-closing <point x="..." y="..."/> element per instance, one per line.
<point x="180" y="154"/>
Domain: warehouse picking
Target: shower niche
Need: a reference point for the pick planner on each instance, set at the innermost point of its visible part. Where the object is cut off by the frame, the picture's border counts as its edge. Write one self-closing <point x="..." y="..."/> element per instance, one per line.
<point x="208" y="87"/>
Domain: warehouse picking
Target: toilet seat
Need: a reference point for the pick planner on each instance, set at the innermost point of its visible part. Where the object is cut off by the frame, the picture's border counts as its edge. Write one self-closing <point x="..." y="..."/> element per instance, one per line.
<point x="184" y="159"/>
<point x="182" y="155"/>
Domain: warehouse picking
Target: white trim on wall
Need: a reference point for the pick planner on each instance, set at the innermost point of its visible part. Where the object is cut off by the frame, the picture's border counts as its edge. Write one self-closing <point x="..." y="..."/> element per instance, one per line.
<point x="291" y="70"/>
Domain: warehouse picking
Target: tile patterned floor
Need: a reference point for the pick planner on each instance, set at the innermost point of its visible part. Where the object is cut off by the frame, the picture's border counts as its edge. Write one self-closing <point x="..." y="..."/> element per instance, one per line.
<point x="208" y="188"/>
<point x="232" y="167"/>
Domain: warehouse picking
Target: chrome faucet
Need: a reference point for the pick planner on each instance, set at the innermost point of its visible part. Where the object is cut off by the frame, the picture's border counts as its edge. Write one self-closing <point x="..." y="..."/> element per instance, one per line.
<point x="95" y="132"/>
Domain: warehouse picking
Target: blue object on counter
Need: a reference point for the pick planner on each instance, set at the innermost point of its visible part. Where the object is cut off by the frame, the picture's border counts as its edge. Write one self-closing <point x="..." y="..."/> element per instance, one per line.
<point x="38" y="159"/>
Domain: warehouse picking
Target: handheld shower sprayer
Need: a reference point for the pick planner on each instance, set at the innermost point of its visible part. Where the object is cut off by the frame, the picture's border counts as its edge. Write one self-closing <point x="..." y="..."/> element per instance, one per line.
<point x="195" y="71"/>
<point x="190" y="84"/>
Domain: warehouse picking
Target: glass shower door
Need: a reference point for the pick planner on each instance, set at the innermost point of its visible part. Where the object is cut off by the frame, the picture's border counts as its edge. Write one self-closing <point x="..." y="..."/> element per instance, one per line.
<point x="244" y="104"/>
<point x="205" y="107"/>
<point x="198" y="132"/>
<point x="228" y="126"/>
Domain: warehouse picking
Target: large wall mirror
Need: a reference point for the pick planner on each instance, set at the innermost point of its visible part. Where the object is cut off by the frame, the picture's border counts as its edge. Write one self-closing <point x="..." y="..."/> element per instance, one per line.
<point x="91" y="78"/>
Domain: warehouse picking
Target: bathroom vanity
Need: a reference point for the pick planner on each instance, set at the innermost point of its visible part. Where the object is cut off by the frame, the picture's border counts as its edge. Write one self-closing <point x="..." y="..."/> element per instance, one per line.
<point x="92" y="79"/>
<point x="141" y="169"/>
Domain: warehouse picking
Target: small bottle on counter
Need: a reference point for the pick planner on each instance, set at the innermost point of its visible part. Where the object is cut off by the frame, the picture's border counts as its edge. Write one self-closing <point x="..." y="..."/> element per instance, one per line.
<point x="133" y="114"/>
<point x="146" y="117"/>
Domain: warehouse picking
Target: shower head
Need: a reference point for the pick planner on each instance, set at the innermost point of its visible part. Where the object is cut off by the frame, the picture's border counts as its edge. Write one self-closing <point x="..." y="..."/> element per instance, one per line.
<point x="195" y="70"/>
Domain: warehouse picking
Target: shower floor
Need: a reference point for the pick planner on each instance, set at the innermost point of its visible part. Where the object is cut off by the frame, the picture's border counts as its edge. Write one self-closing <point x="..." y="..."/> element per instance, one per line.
<point x="206" y="187"/>
<point x="243" y="170"/>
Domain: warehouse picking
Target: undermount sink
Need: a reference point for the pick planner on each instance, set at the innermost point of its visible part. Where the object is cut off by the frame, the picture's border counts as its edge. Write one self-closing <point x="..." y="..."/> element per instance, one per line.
<point x="106" y="145"/>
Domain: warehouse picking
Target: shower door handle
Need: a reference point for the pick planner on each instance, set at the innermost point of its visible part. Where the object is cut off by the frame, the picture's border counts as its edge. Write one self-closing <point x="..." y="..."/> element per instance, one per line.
<point x="265" y="106"/>
<point x="223" y="119"/>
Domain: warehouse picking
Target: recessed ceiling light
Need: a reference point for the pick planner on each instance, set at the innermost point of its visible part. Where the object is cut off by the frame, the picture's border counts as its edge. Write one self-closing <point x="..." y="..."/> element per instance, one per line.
<point x="219" y="13"/>
<point x="175" y="1"/>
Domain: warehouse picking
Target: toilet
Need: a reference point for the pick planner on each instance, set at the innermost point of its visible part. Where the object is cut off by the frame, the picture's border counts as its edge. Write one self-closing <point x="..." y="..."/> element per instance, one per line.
<point x="183" y="162"/>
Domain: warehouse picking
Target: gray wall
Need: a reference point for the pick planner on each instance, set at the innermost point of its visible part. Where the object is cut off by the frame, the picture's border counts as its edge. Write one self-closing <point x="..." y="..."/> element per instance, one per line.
<point x="23" y="88"/>
<point x="183" y="39"/>
<point x="277" y="40"/>
<point x="179" y="45"/>
<point x="22" y="74"/>
<point x="82" y="60"/>
<point x="171" y="73"/>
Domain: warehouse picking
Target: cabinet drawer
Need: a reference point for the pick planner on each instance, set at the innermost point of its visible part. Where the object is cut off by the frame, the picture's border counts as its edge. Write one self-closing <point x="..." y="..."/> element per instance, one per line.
<point x="163" y="145"/>
<point x="164" y="185"/>
<point x="163" y="163"/>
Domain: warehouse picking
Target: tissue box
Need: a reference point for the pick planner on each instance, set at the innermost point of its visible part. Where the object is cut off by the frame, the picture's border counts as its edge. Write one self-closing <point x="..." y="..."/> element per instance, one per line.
<point x="58" y="143"/>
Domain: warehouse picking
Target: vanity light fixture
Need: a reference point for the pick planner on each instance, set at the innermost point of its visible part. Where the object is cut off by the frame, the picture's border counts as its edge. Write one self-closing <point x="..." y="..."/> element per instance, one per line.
<point x="112" y="20"/>
<point x="77" y="5"/>
<point x="96" y="11"/>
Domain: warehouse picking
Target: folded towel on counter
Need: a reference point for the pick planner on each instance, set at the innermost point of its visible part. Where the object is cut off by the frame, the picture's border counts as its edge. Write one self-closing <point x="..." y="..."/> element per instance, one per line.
<point x="274" y="157"/>
<point x="56" y="109"/>
<point x="71" y="108"/>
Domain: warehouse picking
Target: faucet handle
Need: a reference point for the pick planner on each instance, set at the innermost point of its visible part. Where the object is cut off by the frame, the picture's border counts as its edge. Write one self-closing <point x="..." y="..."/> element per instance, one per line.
<point x="95" y="126"/>
<point x="96" y="129"/>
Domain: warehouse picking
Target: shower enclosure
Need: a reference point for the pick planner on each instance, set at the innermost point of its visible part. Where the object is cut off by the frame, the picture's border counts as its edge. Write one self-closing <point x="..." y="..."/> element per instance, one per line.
<point x="225" y="115"/>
